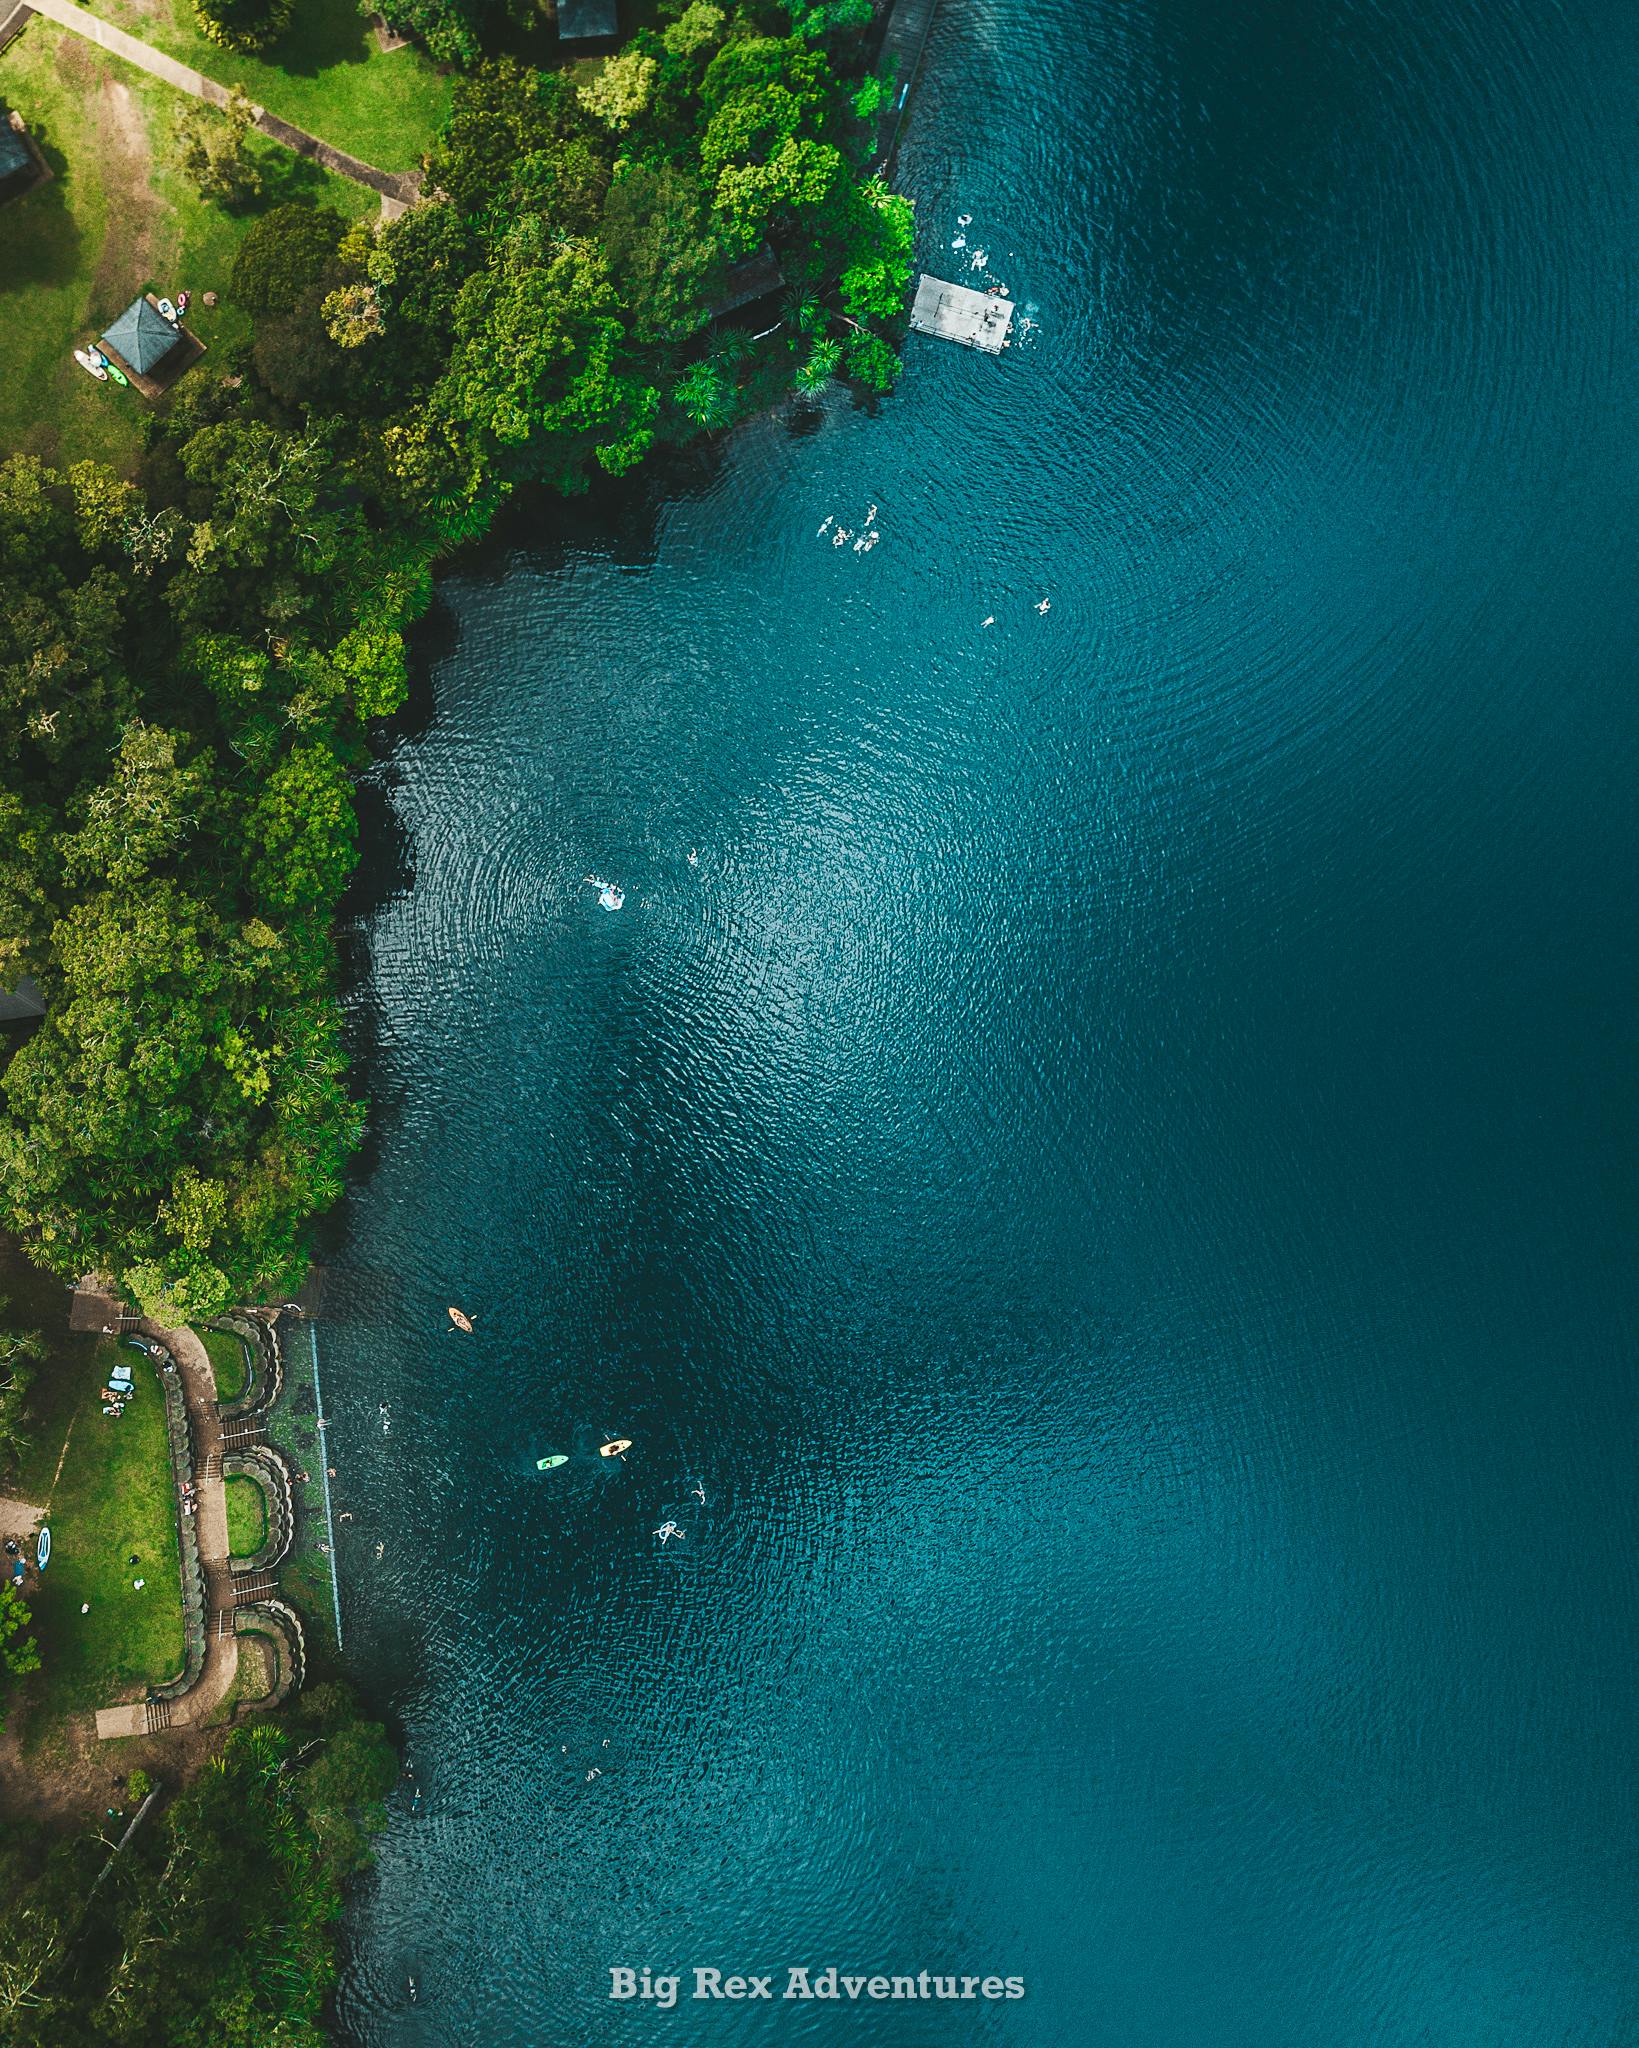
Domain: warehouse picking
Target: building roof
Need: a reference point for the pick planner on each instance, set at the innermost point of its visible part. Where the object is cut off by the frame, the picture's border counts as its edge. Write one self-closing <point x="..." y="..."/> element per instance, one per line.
<point x="581" y="21"/>
<point x="23" y="1001"/>
<point x="14" y="151"/>
<point x="141" y="337"/>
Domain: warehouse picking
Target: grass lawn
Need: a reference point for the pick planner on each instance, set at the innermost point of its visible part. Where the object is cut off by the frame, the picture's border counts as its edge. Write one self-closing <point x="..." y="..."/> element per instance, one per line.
<point x="327" y="76"/>
<point x="228" y="1361"/>
<point x="247" y="1517"/>
<point x="114" y="1496"/>
<point x="117" y="219"/>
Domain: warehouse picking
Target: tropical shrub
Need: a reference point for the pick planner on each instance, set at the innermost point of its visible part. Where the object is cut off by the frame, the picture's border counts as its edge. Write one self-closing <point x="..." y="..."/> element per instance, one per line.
<point x="243" y="24"/>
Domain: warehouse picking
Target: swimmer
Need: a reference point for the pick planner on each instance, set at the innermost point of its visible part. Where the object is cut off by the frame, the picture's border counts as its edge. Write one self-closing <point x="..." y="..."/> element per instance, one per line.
<point x="594" y="1772"/>
<point x="843" y="533"/>
<point x="694" y="856"/>
<point x="699" y="1493"/>
<point x="346" y="1515"/>
<point x="870" y="517"/>
<point x="380" y="1551"/>
<point x="990" y="621"/>
<point x="667" y="1531"/>
<point x="964" y="220"/>
<point x="824" y="523"/>
<point x="1045" y="606"/>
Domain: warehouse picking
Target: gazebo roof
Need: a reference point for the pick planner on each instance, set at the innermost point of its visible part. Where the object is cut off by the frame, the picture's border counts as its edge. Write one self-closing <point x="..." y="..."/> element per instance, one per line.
<point x="14" y="151"/>
<point x="141" y="337"/>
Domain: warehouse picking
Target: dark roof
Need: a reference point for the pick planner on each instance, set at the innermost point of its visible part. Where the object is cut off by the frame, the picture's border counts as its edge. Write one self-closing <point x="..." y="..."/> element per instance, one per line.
<point x="141" y="337"/>
<point x="14" y="151"/>
<point x="22" y="1001"/>
<point x="579" y="21"/>
<point x="752" y="278"/>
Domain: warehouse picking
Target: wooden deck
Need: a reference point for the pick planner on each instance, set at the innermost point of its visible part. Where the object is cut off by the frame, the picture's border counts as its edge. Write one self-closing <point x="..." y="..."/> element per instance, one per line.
<point x="904" y="38"/>
<point x="955" y="312"/>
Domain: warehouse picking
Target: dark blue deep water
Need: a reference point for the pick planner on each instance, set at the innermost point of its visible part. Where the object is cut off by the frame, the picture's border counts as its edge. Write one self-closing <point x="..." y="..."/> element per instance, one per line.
<point x="1114" y="1168"/>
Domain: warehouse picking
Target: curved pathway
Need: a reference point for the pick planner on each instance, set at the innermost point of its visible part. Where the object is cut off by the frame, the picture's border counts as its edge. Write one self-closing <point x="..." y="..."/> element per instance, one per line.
<point x="398" y="189"/>
<point x="198" y="1379"/>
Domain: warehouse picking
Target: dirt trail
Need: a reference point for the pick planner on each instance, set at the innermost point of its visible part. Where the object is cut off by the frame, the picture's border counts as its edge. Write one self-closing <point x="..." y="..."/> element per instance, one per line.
<point x="128" y="160"/>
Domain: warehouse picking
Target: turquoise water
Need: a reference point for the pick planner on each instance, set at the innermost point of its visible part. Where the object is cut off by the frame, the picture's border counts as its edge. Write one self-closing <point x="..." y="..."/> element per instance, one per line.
<point x="1113" y="1169"/>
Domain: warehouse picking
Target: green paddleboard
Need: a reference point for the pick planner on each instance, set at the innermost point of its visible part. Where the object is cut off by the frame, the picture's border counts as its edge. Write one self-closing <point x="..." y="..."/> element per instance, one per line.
<point x="118" y="376"/>
<point x="550" y="1464"/>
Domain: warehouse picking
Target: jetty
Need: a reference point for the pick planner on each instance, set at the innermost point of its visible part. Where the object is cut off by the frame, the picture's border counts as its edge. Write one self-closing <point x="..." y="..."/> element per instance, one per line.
<point x="955" y="312"/>
<point x="904" y="38"/>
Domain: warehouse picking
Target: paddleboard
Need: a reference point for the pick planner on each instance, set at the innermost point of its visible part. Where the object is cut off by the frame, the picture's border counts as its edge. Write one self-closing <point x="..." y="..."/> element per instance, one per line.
<point x="89" y="362"/>
<point x="550" y="1464"/>
<point x="461" y="1321"/>
<point x="43" y="1554"/>
<point x="118" y="376"/>
<point x="616" y="1449"/>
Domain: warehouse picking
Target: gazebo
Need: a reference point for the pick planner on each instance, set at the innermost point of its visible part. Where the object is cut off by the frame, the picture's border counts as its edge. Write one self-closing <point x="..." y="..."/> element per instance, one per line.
<point x="149" y="347"/>
<point x="21" y="165"/>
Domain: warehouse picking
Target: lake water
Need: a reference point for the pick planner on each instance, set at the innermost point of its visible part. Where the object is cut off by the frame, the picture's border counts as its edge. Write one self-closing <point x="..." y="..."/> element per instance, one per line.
<point x="1102" y="1143"/>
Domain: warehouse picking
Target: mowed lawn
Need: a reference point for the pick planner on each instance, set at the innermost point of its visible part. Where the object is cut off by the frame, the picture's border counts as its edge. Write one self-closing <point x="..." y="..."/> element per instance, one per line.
<point x="326" y="76"/>
<point x="247" y="1517"/>
<point x="228" y="1362"/>
<point x="117" y="219"/>
<point x="113" y="1498"/>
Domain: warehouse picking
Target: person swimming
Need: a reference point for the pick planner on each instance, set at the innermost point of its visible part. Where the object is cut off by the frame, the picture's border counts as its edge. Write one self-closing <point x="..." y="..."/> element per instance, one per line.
<point x="667" y="1531"/>
<point x="1045" y="606"/>
<point x="699" y="1493"/>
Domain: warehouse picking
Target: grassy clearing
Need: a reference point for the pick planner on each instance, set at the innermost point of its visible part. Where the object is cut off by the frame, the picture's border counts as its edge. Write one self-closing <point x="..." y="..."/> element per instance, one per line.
<point x="117" y="219"/>
<point x="229" y="1361"/>
<point x="247" y="1517"/>
<point x="113" y="1499"/>
<point x="327" y="76"/>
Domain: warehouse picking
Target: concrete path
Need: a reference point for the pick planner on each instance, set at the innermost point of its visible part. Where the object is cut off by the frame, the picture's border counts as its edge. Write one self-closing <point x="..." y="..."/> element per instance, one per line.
<point x="399" y="188"/>
<point x="211" y="1528"/>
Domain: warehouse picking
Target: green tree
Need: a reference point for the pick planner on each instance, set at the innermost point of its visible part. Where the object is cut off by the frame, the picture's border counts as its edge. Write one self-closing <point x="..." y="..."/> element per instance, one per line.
<point x="622" y="89"/>
<point x="705" y="395"/>
<point x="372" y="663"/>
<point x="661" y="254"/>
<point x="819" y="366"/>
<point x="812" y="19"/>
<point x="302" y="831"/>
<point x="876" y="281"/>
<point x="699" y="27"/>
<point x="19" y="1652"/>
<point x="871" y="362"/>
<point x="283" y="254"/>
<point x="141" y="815"/>
<point x="30" y="873"/>
<point x="21" y="1351"/>
<point x="352" y="315"/>
<point x="213" y="149"/>
<point x="243" y="24"/>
